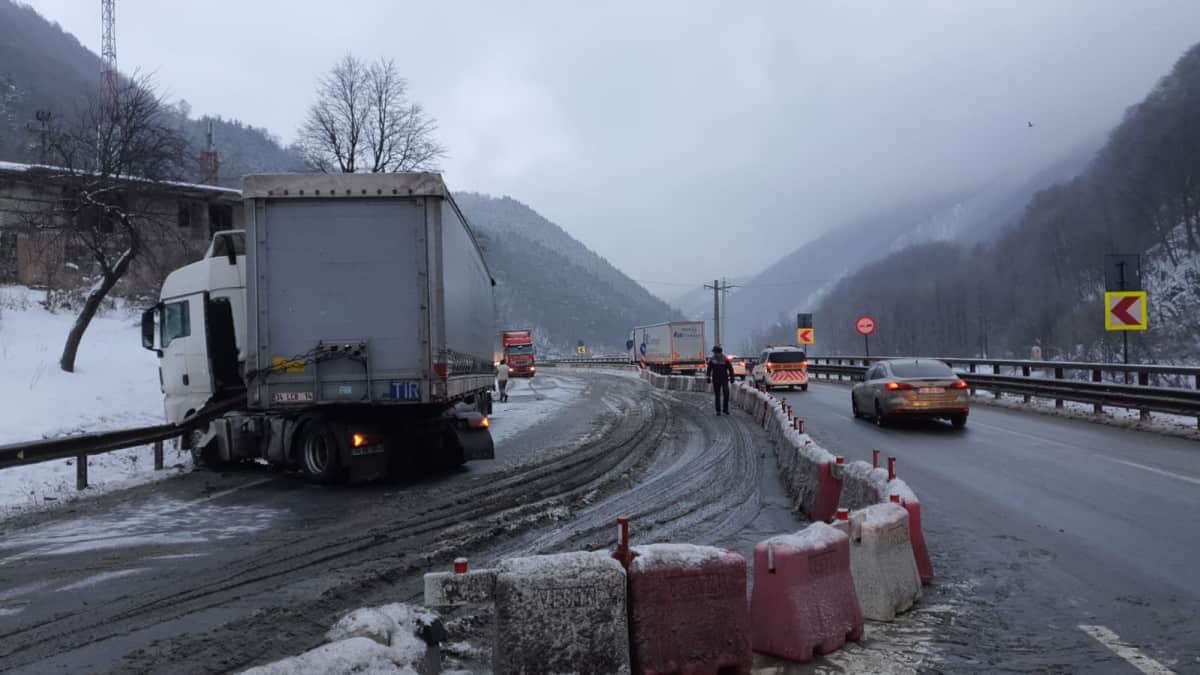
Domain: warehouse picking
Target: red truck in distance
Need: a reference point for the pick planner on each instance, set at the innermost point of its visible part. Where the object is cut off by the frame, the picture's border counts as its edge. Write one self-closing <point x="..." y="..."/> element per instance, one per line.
<point x="518" y="352"/>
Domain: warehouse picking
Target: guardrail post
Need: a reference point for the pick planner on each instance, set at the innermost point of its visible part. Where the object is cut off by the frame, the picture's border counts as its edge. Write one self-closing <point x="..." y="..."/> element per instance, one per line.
<point x="1144" y="380"/>
<point x="839" y="372"/>
<point x="971" y="369"/>
<point x="1097" y="376"/>
<point x="1025" y="372"/>
<point x="81" y="467"/>
<point x="996" y="371"/>
<point x="158" y="455"/>
<point x="1058" y="375"/>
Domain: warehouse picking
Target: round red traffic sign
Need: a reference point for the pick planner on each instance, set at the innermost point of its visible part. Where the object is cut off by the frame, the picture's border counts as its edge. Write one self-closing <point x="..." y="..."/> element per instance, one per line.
<point x="865" y="325"/>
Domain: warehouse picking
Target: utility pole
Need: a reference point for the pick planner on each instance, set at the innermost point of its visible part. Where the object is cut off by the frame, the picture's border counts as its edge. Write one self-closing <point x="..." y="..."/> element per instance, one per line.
<point x="718" y="288"/>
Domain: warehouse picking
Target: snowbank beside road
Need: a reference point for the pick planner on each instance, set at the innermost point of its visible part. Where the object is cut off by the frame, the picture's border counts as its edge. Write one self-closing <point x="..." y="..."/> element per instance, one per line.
<point x="115" y="386"/>
<point x="368" y="640"/>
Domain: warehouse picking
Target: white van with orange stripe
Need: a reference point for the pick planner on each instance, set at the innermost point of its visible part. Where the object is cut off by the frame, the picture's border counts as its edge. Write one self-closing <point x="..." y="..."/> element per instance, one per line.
<point x="782" y="367"/>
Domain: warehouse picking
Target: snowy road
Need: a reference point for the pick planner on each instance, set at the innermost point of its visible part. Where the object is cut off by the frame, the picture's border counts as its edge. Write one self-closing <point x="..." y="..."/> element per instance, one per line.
<point x="1058" y="545"/>
<point x="1041" y="529"/>
<point x="141" y="579"/>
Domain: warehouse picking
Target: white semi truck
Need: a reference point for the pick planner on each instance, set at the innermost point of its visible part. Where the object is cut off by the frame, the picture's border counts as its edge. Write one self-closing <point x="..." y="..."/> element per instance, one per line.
<point x="354" y="317"/>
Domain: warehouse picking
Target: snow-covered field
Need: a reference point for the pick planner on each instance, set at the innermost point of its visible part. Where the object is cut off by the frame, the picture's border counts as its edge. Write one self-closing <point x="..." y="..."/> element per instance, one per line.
<point x="115" y="386"/>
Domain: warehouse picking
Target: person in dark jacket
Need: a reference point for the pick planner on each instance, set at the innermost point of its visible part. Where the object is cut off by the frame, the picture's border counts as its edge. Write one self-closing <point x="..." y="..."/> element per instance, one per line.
<point x="720" y="373"/>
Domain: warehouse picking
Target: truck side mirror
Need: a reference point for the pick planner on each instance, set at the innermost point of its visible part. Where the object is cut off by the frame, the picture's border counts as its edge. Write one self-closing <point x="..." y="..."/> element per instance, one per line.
<point x="628" y="344"/>
<point x="148" y="329"/>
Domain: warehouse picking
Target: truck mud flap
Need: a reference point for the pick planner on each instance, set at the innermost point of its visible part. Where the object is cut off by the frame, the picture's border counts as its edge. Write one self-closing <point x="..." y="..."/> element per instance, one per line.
<point x="475" y="443"/>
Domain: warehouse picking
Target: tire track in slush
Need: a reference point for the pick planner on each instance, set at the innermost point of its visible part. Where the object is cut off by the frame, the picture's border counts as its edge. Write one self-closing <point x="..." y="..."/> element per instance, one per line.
<point x="703" y="488"/>
<point x="359" y="542"/>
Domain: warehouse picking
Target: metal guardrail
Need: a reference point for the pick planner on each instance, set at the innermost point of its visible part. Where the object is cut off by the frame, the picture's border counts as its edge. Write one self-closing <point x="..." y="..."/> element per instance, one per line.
<point x="1091" y="388"/>
<point x="80" y="446"/>
<point x="589" y="361"/>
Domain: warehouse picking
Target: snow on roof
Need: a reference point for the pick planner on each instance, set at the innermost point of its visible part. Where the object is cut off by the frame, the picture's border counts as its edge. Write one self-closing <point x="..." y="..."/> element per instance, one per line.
<point x="14" y="167"/>
<point x="413" y="184"/>
<point x="682" y="556"/>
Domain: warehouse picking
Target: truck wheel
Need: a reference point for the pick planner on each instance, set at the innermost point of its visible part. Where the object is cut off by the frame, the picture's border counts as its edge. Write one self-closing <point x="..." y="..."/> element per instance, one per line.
<point x="319" y="453"/>
<point x="804" y="387"/>
<point x="207" y="456"/>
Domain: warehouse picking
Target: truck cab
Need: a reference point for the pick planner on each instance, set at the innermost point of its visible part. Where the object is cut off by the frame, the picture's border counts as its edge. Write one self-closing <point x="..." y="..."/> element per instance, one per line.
<point x="198" y="327"/>
<point x="519" y="353"/>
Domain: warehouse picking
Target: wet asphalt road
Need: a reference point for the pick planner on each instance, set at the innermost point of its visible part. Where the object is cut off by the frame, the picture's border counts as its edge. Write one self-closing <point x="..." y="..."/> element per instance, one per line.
<point x="1039" y="526"/>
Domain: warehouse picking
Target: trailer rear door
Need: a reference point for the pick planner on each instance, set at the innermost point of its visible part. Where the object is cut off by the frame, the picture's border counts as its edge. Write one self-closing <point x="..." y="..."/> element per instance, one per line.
<point x="345" y="272"/>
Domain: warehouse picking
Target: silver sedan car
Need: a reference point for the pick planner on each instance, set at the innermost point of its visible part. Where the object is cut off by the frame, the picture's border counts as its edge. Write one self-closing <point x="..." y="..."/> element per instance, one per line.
<point x="911" y="388"/>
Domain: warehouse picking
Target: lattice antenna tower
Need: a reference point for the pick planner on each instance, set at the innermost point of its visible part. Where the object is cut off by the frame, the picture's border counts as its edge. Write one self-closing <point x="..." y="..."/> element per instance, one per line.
<point x="108" y="44"/>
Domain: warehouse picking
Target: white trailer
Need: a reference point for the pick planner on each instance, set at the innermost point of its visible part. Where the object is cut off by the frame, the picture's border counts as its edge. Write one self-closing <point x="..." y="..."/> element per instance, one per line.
<point x="354" y="315"/>
<point x="672" y="347"/>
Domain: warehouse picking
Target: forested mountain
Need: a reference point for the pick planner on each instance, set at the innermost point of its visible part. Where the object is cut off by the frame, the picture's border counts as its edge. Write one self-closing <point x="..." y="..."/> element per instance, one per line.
<point x="1043" y="279"/>
<point x="548" y="281"/>
<point x="798" y="281"/>
<point x="45" y="68"/>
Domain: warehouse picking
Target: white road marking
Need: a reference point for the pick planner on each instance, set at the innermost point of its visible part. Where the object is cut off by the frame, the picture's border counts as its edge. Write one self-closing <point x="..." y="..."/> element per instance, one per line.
<point x="1133" y="655"/>
<point x="222" y="493"/>
<point x="1039" y="439"/>
<point x="1151" y="469"/>
<point x="1161" y="472"/>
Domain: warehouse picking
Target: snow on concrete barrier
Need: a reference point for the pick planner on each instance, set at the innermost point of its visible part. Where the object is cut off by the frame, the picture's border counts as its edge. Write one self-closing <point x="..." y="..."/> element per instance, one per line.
<point x="804" y="599"/>
<point x="881" y="560"/>
<point x="561" y="613"/>
<point x="687" y="610"/>
<point x="898" y="490"/>
<point x="862" y="485"/>
<point x="447" y="589"/>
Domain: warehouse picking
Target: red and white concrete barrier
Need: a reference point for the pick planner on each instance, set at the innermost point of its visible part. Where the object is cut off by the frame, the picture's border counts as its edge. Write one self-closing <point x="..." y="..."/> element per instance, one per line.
<point x="804" y="602"/>
<point x="687" y="610"/>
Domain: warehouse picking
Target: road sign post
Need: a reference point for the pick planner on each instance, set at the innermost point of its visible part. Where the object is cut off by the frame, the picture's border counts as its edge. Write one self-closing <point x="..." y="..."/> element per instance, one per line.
<point x="1124" y="298"/>
<point x="865" y="326"/>
<point x="804" y="330"/>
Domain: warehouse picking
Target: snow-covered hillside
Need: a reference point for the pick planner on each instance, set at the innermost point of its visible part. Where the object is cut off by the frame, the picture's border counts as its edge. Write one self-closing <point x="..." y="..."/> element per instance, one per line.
<point x="115" y="386"/>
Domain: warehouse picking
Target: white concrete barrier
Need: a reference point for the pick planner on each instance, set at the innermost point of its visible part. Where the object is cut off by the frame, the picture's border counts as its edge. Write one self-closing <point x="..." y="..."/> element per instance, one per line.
<point x="560" y="614"/>
<point x="881" y="560"/>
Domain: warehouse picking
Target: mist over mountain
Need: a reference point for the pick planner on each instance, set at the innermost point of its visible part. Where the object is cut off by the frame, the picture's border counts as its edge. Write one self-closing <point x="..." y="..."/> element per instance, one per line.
<point x="1042" y="280"/>
<point x="548" y="281"/>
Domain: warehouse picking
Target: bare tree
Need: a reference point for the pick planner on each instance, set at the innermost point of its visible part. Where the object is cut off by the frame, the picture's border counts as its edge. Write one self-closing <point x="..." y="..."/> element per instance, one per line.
<point x="113" y="159"/>
<point x="363" y="120"/>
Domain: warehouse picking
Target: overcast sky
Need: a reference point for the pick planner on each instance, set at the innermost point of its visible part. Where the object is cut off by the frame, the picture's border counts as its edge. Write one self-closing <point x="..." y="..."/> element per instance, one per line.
<point x="685" y="140"/>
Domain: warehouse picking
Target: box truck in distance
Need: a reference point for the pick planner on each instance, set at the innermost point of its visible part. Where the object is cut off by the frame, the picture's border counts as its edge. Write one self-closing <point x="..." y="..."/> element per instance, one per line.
<point x="674" y="347"/>
<point x="353" y="320"/>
